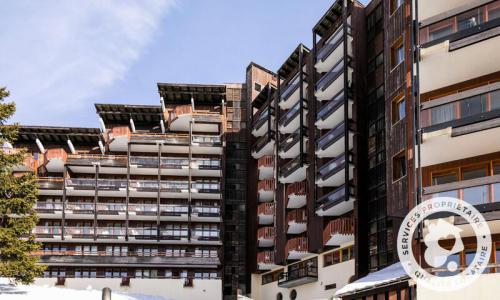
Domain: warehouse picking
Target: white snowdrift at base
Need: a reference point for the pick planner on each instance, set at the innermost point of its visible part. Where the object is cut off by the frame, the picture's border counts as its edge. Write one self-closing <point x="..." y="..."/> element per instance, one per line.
<point x="32" y="292"/>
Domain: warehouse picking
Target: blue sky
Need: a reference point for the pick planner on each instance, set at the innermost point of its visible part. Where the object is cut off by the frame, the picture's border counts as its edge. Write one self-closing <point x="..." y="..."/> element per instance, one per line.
<point x="58" y="58"/>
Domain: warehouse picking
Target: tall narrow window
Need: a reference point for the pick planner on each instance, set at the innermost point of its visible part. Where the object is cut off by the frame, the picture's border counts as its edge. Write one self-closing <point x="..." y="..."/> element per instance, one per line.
<point x="398" y="54"/>
<point x="398" y="110"/>
<point x="399" y="166"/>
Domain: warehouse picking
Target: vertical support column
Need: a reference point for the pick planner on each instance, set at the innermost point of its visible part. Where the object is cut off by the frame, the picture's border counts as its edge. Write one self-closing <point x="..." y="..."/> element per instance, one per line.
<point x="127" y="197"/>
<point x="301" y="110"/>
<point x="64" y="200"/>
<point x="190" y="157"/>
<point x="158" y="195"/>
<point x="346" y="98"/>
<point x="96" y="196"/>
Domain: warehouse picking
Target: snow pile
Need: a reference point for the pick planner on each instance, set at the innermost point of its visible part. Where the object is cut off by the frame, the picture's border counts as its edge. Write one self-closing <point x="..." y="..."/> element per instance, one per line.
<point x="392" y="273"/>
<point x="32" y="292"/>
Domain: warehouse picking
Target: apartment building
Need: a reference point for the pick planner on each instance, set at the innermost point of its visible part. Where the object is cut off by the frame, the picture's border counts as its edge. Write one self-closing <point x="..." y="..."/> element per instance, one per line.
<point x="143" y="196"/>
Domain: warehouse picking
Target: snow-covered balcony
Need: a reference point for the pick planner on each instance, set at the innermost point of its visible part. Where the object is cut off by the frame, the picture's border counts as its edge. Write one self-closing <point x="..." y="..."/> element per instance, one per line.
<point x="296" y="194"/>
<point x="263" y="146"/>
<point x="297" y="221"/>
<point x="332" y="143"/>
<point x="265" y="260"/>
<point x="265" y="164"/>
<point x="332" y="112"/>
<point x="265" y="190"/>
<point x="265" y="213"/>
<point x="332" y="82"/>
<point x="290" y="121"/>
<point x="55" y="159"/>
<point x="290" y="146"/>
<point x="293" y="171"/>
<point x="333" y="50"/>
<point x="296" y="248"/>
<point x="290" y="92"/>
<point x="335" y="203"/>
<point x="339" y="232"/>
<point x="265" y="236"/>
<point x="333" y="174"/>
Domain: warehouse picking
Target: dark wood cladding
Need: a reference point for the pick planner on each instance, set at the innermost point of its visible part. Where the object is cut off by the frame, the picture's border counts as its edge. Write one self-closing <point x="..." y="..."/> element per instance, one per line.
<point x="396" y="24"/>
<point x="396" y="79"/>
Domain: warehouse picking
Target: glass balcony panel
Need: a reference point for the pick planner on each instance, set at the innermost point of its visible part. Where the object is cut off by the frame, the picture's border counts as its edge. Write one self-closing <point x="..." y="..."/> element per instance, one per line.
<point x="329" y="77"/>
<point x="330" y="106"/>
<point x="80" y="182"/>
<point x="331" y="165"/>
<point x="331" y="44"/>
<point x="334" y="196"/>
<point x="331" y="135"/>
<point x="290" y="114"/>
<point x="476" y="195"/>
<point x="174" y="185"/>
<point x="496" y="192"/>
<point x="290" y="87"/>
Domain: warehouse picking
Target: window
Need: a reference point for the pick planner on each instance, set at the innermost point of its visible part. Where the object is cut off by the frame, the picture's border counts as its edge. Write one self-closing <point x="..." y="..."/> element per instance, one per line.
<point x="398" y="54"/>
<point x="338" y="256"/>
<point x="444" y="178"/>
<point x="399" y="166"/>
<point x="398" y="110"/>
<point x="293" y="295"/>
<point x="279" y="296"/>
<point x="271" y="277"/>
<point x="258" y="87"/>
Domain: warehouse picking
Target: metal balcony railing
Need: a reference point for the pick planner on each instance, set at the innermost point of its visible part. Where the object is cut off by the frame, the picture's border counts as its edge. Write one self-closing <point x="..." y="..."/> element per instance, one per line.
<point x="290" y="88"/>
<point x="332" y="167"/>
<point x="330" y="76"/>
<point x="331" y="44"/>
<point x="330" y="137"/>
<point x="331" y="106"/>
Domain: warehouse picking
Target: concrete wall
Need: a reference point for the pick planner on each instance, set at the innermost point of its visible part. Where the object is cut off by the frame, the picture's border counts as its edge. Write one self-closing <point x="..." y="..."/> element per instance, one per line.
<point x="338" y="274"/>
<point x="169" y="288"/>
<point x="485" y="288"/>
<point x="430" y="8"/>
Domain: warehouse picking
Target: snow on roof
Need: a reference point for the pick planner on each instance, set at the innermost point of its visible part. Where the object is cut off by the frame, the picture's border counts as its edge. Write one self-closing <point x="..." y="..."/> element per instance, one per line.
<point x="392" y="273"/>
<point x="32" y="292"/>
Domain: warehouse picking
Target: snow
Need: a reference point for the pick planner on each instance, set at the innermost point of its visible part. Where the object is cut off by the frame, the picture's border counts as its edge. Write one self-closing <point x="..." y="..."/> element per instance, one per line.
<point x="392" y="273"/>
<point x="32" y="292"/>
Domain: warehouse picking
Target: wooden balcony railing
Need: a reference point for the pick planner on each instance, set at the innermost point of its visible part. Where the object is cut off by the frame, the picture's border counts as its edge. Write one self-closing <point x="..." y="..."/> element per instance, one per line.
<point x="298" y="215"/>
<point x="297" y="188"/>
<point x="266" y="209"/>
<point x="265" y="257"/>
<point x="266" y="185"/>
<point x="265" y="233"/>
<point x="266" y="161"/>
<point x="296" y="244"/>
<point x="344" y="225"/>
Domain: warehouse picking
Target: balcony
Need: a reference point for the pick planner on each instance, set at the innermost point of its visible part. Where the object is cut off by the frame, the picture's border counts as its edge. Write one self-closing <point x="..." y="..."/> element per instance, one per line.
<point x="478" y="191"/>
<point x="49" y="209"/>
<point x="180" y="118"/>
<point x="50" y="186"/>
<point x="111" y="233"/>
<point x="265" y="190"/>
<point x="169" y="189"/>
<point x="296" y="248"/>
<point x="297" y="221"/>
<point x="335" y="203"/>
<point x="290" y="147"/>
<point x="333" y="50"/>
<point x="206" y="167"/>
<point x="333" y="172"/>
<point x="206" y="144"/>
<point x="55" y="159"/>
<point x="105" y="187"/>
<point x="108" y="164"/>
<point x="339" y="232"/>
<point x="332" y="82"/>
<point x="84" y="233"/>
<point x="111" y="211"/>
<point x="290" y="121"/>
<point x="261" y="121"/>
<point x="47" y="232"/>
<point x="171" y="212"/>
<point x="265" y="237"/>
<point x="265" y="164"/>
<point x="80" y="210"/>
<point x="465" y="123"/>
<point x="293" y="171"/>
<point x="296" y="194"/>
<point x="265" y="260"/>
<point x="331" y="114"/>
<point x="332" y="143"/>
<point x="205" y="214"/>
<point x="264" y="146"/>
<point x="265" y="213"/>
<point x="302" y="275"/>
<point x="144" y="234"/>
<point x="142" y="211"/>
<point x="205" y="235"/>
<point x="150" y="142"/>
<point x="290" y="94"/>
<point x="118" y="138"/>
<point x="206" y="190"/>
